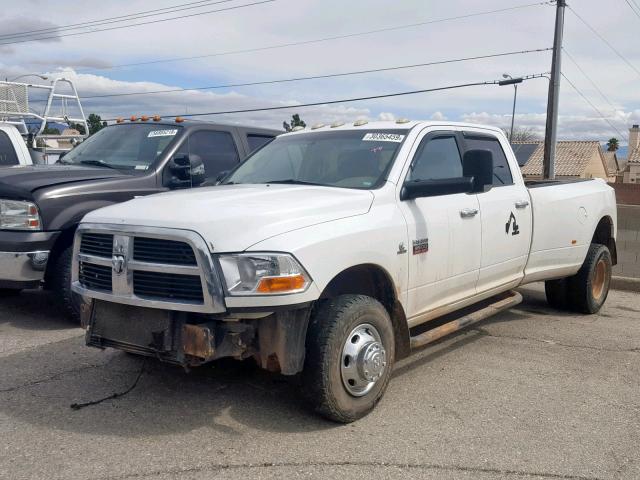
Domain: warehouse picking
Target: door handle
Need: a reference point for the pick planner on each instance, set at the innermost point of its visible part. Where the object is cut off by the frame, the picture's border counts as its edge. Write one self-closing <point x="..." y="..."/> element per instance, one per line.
<point x="468" y="212"/>
<point x="522" y="204"/>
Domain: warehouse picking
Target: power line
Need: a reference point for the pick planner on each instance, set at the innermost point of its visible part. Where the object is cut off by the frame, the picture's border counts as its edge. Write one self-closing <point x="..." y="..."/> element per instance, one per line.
<point x="573" y="60"/>
<point x="120" y="18"/>
<point x="139" y="23"/>
<point x="345" y="100"/>
<point x="319" y="40"/>
<point x="595" y="32"/>
<point x="633" y="8"/>
<point x="315" y="77"/>
<point x="594" y="107"/>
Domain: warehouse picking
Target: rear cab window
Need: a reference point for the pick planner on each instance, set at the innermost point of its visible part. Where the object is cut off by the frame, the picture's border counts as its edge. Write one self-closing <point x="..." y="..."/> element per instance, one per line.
<point x="8" y="155"/>
<point x="501" y="171"/>
<point x="256" y="141"/>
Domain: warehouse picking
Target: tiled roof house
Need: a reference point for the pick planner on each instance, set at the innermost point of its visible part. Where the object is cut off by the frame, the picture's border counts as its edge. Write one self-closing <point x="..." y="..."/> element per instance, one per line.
<point x="632" y="170"/>
<point x="574" y="159"/>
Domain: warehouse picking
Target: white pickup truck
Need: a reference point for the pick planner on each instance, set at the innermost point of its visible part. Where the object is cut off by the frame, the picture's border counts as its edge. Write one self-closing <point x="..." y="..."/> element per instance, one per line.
<point x="325" y="249"/>
<point x="13" y="149"/>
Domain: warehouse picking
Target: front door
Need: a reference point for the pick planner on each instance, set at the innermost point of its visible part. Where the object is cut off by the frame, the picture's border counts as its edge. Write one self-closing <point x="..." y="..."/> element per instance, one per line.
<point x="444" y="230"/>
<point x="506" y="219"/>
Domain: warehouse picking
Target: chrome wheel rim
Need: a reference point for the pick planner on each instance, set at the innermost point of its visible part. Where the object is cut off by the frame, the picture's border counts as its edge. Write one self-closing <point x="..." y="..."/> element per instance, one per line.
<point x="363" y="361"/>
<point x="599" y="279"/>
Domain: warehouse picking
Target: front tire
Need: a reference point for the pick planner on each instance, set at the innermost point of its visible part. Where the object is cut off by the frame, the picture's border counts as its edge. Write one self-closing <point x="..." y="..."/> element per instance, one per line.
<point x="61" y="285"/>
<point x="587" y="290"/>
<point x="349" y="357"/>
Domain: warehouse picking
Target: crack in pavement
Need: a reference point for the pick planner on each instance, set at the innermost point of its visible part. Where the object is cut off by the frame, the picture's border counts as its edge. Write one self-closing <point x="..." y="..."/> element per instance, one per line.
<point x="485" y="333"/>
<point x="407" y="466"/>
<point x="50" y="378"/>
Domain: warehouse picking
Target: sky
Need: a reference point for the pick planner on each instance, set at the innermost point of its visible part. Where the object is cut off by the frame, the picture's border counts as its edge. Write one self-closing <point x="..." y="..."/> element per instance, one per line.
<point x="233" y="46"/>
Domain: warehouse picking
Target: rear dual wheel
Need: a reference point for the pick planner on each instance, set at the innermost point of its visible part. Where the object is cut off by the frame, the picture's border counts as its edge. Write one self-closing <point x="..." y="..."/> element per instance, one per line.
<point x="349" y="358"/>
<point x="587" y="290"/>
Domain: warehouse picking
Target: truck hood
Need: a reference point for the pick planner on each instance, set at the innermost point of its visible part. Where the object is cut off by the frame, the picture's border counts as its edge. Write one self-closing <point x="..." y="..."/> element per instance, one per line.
<point x="234" y="217"/>
<point x="24" y="180"/>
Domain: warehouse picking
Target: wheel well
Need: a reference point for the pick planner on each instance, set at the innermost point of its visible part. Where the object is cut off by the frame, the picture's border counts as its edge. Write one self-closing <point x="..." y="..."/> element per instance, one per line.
<point x="604" y="236"/>
<point x="373" y="281"/>
<point x="63" y="241"/>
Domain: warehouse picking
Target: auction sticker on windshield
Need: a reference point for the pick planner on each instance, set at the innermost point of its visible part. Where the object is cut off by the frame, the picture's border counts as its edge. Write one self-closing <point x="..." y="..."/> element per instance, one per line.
<point x="162" y="133"/>
<point x="383" y="137"/>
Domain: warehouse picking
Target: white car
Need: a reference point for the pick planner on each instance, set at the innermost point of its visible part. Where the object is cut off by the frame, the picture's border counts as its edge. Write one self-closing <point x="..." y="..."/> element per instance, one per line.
<point x="13" y="149"/>
<point x="323" y="250"/>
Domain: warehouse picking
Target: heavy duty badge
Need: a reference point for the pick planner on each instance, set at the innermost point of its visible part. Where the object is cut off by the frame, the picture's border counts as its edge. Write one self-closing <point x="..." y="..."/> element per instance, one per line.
<point x="420" y="245"/>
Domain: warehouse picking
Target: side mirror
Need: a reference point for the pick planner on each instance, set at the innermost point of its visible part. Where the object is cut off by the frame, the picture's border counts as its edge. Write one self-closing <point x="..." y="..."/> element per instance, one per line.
<point x="478" y="164"/>
<point x="186" y="171"/>
<point x="61" y="156"/>
<point x="433" y="188"/>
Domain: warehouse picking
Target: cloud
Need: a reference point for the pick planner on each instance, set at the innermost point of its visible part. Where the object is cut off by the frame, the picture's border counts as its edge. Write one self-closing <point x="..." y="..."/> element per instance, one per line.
<point x="386" y="116"/>
<point x="20" y="24"/>
<point x="438" y="116"/>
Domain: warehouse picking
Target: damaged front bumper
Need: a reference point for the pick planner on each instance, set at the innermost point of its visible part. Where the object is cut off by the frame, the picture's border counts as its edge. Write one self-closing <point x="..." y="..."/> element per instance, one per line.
<point x="275" y="340"/>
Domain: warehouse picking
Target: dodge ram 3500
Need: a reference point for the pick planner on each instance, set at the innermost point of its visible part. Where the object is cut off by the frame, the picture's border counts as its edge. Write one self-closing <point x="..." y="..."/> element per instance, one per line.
<point x="329" y="253"/>
<point x="41" y="205"/>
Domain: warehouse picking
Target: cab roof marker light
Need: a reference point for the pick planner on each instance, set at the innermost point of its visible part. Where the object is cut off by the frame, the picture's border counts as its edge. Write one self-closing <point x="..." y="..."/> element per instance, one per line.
<point x="119" y="120"/>
<point x="157" y="118"/>
<point x="337" y="124"/>
<point x="403" y="120"/>
<point x="317" y="126"/>
<point x="179" y="119"/>
<point x="133" y="118"/>
<point x="297" y="129"/>
<point x="144" y="118"/>
<point x="359" y="123"/>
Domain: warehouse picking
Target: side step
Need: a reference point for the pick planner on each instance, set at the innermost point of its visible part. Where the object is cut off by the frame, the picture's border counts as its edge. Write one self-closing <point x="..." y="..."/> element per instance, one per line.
<point x="501" y="302"/>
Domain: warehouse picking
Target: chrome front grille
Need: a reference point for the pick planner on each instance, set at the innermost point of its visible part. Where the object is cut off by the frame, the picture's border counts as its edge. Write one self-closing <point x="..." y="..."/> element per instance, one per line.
<point x="156" y="268"/>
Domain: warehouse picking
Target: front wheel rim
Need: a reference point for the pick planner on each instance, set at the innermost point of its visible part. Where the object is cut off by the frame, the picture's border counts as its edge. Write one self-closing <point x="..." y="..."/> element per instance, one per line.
<point x="363" y="361"/>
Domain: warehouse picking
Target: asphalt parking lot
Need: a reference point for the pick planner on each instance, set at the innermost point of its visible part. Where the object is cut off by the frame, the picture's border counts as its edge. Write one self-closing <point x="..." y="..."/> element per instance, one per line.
<point x="530" y="393"/>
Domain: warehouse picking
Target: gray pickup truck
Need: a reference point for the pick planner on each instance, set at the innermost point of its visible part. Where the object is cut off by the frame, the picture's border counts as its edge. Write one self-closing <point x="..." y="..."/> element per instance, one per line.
<point x="41" y="205"/>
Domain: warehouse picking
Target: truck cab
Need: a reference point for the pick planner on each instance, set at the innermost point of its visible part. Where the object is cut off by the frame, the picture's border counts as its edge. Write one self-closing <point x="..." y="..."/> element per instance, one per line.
<point x="43" y="204"/>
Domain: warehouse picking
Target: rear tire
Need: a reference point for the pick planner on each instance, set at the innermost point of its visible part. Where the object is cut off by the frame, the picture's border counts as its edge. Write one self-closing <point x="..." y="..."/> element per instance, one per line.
<point x="70" y="302"/>
<point x="350" y="353"/>
<point x="587" y="290"/>
<point x="556" y="292"/>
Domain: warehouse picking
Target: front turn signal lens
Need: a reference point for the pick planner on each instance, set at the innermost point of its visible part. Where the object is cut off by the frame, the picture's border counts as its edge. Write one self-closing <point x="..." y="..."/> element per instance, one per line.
<point x="281" y="284"/>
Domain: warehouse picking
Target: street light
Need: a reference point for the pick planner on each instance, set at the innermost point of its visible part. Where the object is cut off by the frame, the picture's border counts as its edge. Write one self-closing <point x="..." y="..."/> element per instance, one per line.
<point x="509" y="80"/>
<point x="41" y="77"/>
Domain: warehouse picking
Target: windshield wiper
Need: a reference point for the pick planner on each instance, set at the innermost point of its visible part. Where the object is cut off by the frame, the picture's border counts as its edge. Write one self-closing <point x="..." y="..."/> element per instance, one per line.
<point x="97" y="163"/>
<point x="293" y="181"/>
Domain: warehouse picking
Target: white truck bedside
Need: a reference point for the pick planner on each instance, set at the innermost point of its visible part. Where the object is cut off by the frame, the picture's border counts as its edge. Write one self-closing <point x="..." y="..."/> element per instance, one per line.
<point x="321" y="252"/>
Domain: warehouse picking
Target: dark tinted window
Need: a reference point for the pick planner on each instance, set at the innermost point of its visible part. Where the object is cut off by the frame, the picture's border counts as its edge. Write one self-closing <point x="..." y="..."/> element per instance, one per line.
<point x="256" y="141"/>
<point x="216" y="149"/>
<point x="8" y="154"/>
<point x="437" y="158"/>
<point x="501" y="171"/>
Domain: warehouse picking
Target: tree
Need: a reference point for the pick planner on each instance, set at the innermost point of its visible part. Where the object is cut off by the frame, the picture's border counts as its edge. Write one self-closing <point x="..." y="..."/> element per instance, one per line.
<point x="95" y="123"/>
<point x="613" y="144"/>
<point x="50" y="131"/>
<point x="296" y="121"/>
<point x="524" y="134"/>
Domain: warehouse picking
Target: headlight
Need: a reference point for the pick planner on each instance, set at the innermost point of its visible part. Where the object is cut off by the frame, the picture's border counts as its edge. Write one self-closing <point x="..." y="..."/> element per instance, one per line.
<point x="263" y="274"/>
<point x="19" y="215"/>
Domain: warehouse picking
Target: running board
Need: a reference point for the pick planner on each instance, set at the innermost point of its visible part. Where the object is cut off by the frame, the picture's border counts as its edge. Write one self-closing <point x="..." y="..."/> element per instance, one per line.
<point x="502" y="302"/>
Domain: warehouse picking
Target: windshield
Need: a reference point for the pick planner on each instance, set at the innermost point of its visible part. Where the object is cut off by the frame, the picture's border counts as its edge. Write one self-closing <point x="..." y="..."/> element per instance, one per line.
<point x="350" y="159"/>
<point x="133" y="146"/>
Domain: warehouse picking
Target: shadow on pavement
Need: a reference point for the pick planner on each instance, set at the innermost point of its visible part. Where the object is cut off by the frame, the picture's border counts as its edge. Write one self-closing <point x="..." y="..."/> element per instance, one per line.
<point x="33" y="310"/>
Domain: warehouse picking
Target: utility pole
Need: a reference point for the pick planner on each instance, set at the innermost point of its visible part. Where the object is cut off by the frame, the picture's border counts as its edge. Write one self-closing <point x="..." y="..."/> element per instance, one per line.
<point x="512" y="81"/>
<point x="551" y="131"/>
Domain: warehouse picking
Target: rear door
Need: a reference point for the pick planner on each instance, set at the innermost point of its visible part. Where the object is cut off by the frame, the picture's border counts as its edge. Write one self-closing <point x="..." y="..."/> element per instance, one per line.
<point x="506" y="218"/>
<point x="444" y="230"/>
